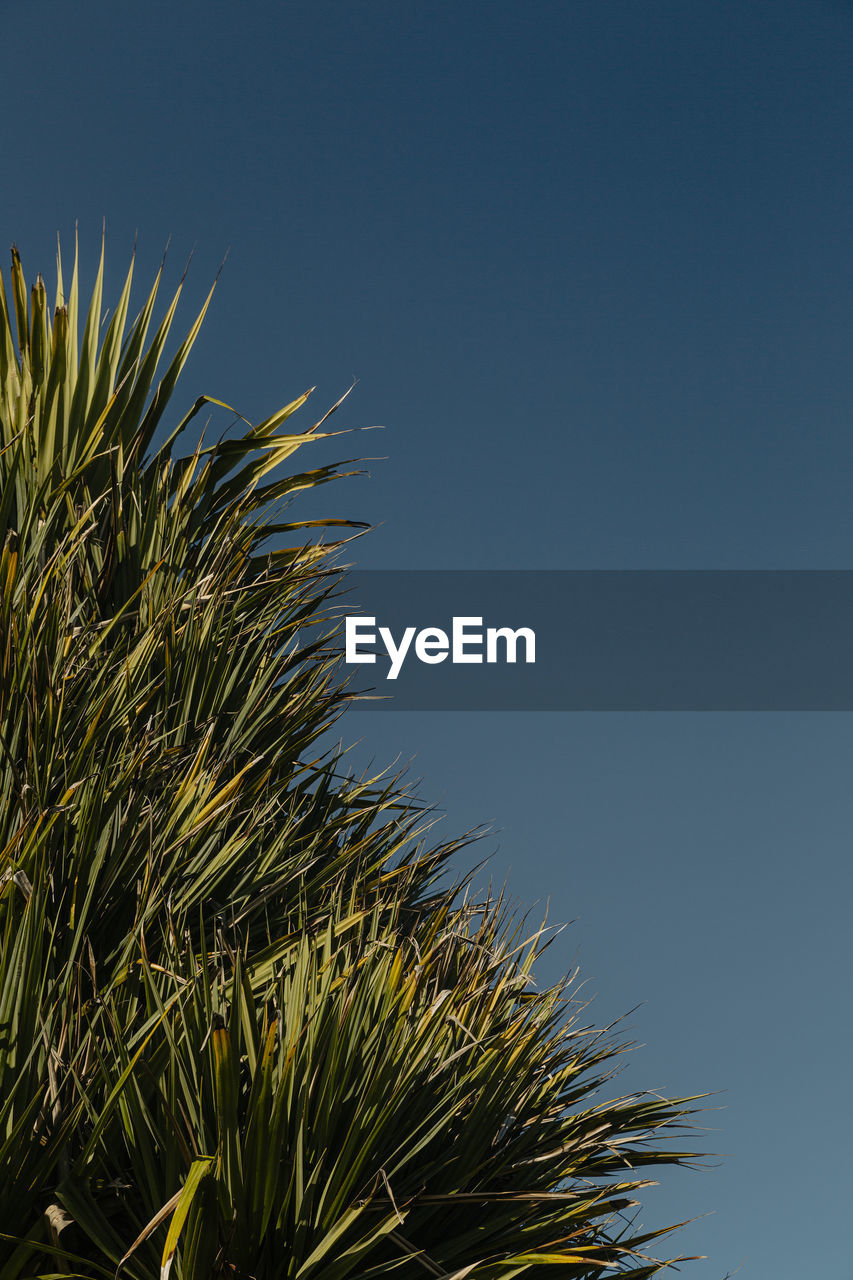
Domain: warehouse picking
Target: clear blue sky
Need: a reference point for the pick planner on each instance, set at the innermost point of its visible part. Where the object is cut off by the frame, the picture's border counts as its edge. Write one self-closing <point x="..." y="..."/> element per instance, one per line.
<point x="592" y="262"/>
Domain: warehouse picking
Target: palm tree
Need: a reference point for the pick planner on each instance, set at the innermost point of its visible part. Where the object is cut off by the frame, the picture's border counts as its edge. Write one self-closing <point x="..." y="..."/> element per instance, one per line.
<point x="249" y="1025"/>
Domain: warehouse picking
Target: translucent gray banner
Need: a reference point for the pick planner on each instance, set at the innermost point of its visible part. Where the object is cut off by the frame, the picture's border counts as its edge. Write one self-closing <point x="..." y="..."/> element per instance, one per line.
<point x="601" y="640"/>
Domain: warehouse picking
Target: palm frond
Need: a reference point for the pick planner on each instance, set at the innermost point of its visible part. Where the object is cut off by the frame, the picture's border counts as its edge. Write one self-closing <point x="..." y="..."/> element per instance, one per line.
<point x="247" y="1026"/>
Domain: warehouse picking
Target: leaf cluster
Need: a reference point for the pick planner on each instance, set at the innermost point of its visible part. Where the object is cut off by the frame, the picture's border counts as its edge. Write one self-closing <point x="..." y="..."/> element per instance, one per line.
<point x="247" y="1025"/>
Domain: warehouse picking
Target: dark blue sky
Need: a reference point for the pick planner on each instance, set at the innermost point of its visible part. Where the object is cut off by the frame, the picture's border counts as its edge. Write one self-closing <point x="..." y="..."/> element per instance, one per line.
<point x="591" y="262"/>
